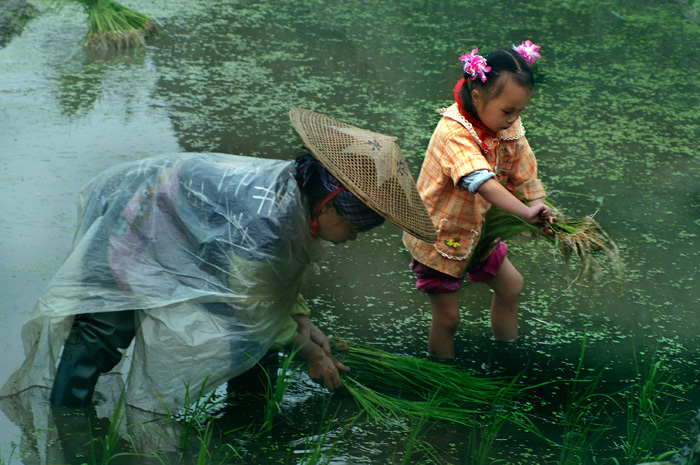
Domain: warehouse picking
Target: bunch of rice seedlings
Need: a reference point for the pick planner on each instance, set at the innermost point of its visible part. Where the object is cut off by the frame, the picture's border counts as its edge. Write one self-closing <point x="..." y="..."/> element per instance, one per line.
<point x="388" y="408"/>
<point x="388" y="387"/>
<point x="583" y="240"/>
<point x="114" y="26"/>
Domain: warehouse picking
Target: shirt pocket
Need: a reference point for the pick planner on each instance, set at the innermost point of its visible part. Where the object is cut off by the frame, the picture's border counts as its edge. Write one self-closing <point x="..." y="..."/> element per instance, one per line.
<point x="455" y="242"/>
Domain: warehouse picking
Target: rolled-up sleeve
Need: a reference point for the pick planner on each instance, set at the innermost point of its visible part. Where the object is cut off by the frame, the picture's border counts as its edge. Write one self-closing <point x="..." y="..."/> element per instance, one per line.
<point x="289" y="329"/>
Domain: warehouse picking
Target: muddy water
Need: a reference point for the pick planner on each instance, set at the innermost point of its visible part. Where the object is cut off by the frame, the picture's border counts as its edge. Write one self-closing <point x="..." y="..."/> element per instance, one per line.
<point x="613" y="123"/>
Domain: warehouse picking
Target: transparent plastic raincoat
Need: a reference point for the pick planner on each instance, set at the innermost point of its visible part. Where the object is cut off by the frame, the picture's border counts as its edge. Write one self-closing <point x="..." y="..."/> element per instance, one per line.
<point x="209" y="248"/>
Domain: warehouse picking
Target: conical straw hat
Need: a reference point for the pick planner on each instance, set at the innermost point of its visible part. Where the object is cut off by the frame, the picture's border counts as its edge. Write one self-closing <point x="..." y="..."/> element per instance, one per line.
<point x="370" y="165"/>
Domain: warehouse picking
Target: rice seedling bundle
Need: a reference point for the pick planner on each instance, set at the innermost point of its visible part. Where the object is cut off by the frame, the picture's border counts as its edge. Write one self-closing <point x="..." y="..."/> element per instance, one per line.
<point x="584" y="240"/>
<point x="388" y="387"/>
<point x="114" y="26"/>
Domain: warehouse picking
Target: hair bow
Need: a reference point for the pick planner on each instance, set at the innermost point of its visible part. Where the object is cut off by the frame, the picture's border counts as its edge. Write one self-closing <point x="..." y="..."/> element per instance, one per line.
<point x="528" y="50"/>
<point x="475" y="65"/>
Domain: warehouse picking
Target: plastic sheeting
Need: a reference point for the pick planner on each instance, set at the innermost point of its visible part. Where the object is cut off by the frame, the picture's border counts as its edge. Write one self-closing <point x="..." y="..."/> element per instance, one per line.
<point x="210" y="248"/>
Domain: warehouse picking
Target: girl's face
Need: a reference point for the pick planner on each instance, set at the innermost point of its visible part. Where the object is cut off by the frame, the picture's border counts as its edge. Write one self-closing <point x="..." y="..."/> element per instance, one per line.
<point x="334" y="227"/>
<point x="500" y="112"/>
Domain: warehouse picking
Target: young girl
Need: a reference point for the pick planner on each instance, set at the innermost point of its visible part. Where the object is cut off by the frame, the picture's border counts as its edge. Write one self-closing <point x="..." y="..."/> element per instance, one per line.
<point x="477" y="157"/>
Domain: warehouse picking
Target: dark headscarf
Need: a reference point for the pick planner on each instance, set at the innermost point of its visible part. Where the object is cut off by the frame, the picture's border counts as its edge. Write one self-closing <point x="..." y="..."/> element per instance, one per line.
<point x="345" y="202"/>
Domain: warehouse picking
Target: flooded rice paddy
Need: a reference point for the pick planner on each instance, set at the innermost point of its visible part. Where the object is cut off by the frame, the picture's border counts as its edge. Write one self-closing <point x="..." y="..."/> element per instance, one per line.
<point x="614" y="123"/>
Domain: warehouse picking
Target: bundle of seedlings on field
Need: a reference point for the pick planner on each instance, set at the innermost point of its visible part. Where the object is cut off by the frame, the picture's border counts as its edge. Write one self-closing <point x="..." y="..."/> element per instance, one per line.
<point x="388" y="387"/>
<point x="582" y="240"/>
<point x="114" y="26"/>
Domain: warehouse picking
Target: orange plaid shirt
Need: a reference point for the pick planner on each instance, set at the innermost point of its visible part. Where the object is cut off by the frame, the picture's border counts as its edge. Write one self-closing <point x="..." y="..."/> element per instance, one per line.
<point x="458" y="215"/>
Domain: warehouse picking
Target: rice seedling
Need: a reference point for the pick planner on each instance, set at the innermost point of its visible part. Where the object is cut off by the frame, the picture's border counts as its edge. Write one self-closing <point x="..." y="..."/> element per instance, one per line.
<point x="584" y="240"/>
<point x="689" y="454"/>
<point x="320" y="449"/>
<point x="112" y="438"/>
<point x="647" y="419"/>
<point x="582" y="417"/>
<point x="385" y="408"/>
<point x="113" y="26"/>
<point x="389" y="387"/>
<point x="482" y="439"/>
<point x="414" y="376"/>
<point x="8" y="460"/>
<point x="221" y="455"/>
<point x="275" y="394"/>
<point x="419" y="427"/>
<point x="192" y="419"/>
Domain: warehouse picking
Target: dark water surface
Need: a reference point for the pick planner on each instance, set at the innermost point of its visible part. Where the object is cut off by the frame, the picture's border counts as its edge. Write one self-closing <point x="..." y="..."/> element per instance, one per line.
<point x="614" y="123"/>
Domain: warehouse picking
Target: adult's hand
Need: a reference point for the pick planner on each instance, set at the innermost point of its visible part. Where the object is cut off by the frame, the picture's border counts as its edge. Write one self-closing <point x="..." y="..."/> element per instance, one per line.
<point x="313" y="346"/>
<point x="323" y="368"/>
<point x="311" y="331"/>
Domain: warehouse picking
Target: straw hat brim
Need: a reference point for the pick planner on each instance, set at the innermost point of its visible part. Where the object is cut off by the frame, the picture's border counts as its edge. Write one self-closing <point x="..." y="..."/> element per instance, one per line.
<point x="370" y="165"/>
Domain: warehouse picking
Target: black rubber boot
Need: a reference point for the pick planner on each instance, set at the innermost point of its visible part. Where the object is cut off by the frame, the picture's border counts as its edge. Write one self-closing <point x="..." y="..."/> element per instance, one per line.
<point x="76" y="375"/>
<point x="92" y="348"/>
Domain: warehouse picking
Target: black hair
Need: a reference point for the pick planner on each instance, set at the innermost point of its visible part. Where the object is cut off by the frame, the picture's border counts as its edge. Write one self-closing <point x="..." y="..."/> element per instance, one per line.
<point x="311" y="185"/>
<point x="504" y="63"/>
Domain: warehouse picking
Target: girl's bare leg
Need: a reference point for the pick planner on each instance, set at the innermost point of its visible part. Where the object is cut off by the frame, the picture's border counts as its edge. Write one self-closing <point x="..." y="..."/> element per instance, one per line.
<point x="506" y="286"/>
<point x="445" y="310"/>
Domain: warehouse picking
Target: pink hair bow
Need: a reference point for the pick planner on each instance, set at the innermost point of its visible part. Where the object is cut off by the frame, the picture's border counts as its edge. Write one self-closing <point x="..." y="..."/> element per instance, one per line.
<point x="528" y="50"/>
<point x="475" y="65"/>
